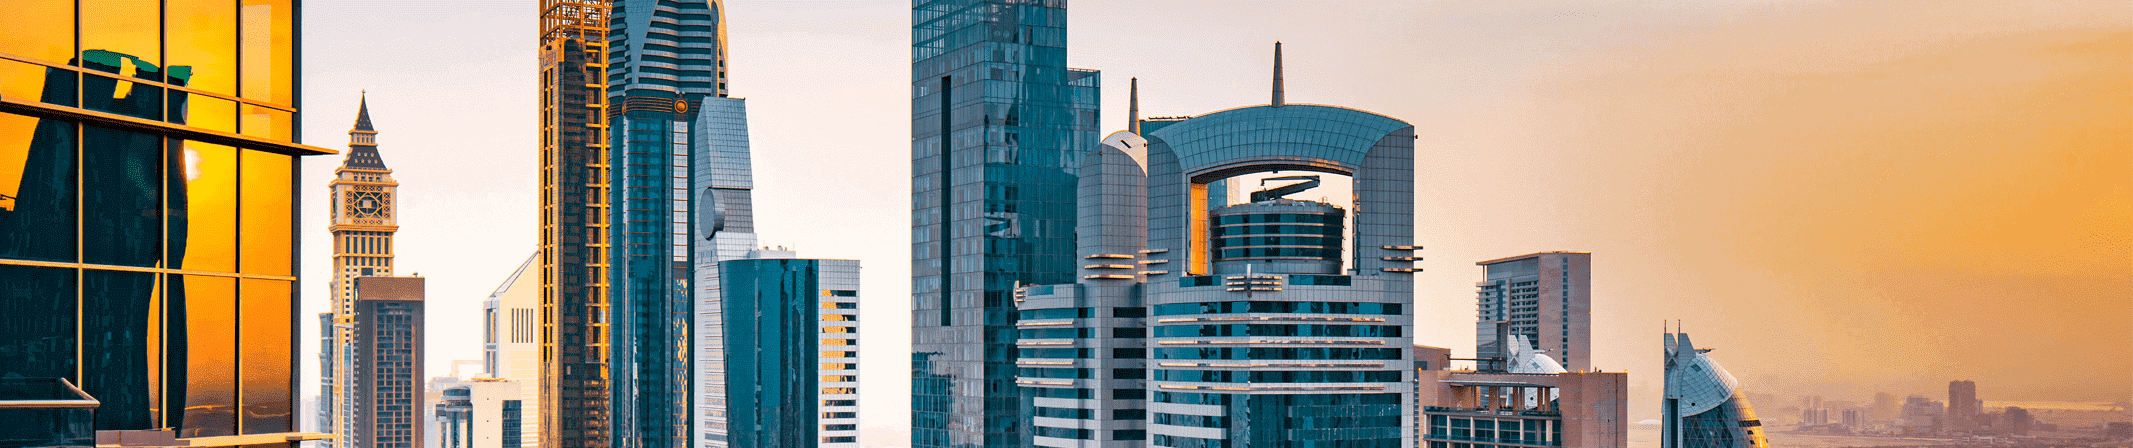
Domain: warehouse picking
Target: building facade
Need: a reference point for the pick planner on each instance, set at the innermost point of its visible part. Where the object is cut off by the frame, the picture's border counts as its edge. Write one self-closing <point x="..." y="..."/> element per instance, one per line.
<point x="791" y="351"/>
<point x="1526" y="399"/>
<point x="363" y="222"/>
<point x="724" y="226"/>
<point x="511" y="349"/>
<point x="1963" y="405"/>
<point x="385" y="372"/>
<point x="1545" y="297"/>
<point x="1703" y="405"/>
<point x="136" y="146"/>
<point x="482" y="413"/>
<point x="999" y="127"/>
<point x="576" y="330"/>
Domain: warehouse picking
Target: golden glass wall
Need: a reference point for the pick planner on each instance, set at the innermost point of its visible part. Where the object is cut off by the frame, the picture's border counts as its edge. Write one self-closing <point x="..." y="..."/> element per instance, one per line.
<point x="147" y="208"/>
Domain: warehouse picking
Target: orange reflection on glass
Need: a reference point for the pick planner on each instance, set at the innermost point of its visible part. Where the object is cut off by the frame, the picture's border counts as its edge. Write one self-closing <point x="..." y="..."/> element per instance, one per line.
<point x="265" y="336"/>
<point x="202" y="34"/>
<point x="203" y="202"/>
<point x="269" y="62"/>
<point x="42" y="29"/>
<point x="267" y="122"/>
<point x="210" y="305"/>
<point x="268" y="196"/>
<point x="208" y="112"/>
<point x="129" y="27"/>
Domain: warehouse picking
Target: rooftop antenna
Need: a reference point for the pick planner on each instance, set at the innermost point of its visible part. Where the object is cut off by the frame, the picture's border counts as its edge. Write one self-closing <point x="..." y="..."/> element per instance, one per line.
<point x="1133" y="106"/>
<point x="1277" y="74"/>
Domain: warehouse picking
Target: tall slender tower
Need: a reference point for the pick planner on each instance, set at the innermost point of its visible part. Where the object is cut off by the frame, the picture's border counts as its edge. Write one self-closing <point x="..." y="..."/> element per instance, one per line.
<point x="363" y="226"/>
<point x="575" y="325"/>
<point x="999" y="127"/>
<point x="666" y="57"/>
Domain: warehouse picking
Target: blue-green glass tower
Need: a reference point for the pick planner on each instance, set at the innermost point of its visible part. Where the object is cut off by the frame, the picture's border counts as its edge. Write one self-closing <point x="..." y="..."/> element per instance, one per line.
<point x="664" y="58"/>
<point x="999" y="126"/>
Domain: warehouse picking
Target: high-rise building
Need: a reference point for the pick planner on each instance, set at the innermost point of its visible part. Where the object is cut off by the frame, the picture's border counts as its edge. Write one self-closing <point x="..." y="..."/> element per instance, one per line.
<point x="1546" y="297"/>
<point x="1963" y="405"/>
<point x="511" y="349"/>
<point x="148" y="166"/>
<point x="999" y="127"/>
<point x="385" y="372"/>
<point x="363" y="224"/>
<point x="790" y="352"/>
<point x="724" y="226"/>
<point x="482" y="413"/>
<point x="1703" y="405"/>
<point x="664" y="58"/>
<point x="576" y="326"/>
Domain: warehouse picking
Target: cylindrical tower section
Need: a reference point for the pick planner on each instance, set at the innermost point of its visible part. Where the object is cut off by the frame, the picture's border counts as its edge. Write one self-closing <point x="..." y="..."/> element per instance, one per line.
<point x="1279" y="236"/>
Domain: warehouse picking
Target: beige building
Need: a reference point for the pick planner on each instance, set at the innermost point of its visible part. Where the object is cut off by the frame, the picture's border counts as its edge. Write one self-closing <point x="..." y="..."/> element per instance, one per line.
<point x="1487" y="410"/>
<point x="511" y="348"/>
<point x="1546" y="297"/>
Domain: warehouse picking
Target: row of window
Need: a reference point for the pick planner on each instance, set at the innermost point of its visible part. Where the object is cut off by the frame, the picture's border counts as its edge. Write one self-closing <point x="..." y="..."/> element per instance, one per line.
<point x="1076" y="313"/>
<point x="1279" y="376"/>
<point x="1280" y="252"/>
<point x="1085" y="394"/>
<point x="1278" y="306"/>
<point x="1082" y="353"/>
<point x="1233" y="353"/>
<point x="1073" y="373"/>
<point x="1276" y="229"/>
<point x="1318" y="218"/>
<point x="1179" y="331"/>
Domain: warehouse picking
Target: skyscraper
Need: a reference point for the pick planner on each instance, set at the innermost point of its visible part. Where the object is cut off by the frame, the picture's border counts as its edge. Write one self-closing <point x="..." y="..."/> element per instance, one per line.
<point x="511" y="348"/>
<point x="724" y="226"/>
<point x="791" y="352"/>
<point x="385" y="372"/>
<point x="1703" y="406"/>
<point x="1546" y="297"/>
<point x="664" y="57"/>
<point x="576" y="327"/>
<point x="364" y="220"/>
<point x="1963" y="405"/>
<point x="999" y="127"/>
<point x="148" y="167"/>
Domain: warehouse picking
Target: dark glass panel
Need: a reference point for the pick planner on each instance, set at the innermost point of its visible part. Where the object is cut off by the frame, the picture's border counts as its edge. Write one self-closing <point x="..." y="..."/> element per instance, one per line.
<point x="122" y="220"/>
<point x="207" y="112"/>
<point x="268" y="50"/>
<point x="202" y="35"/>
<point x="22" y="81"/>
<point x="203" y="207"/>
<point x="268" y="246"/>
<point x="210" y="318"/>
<point x="116" y="309"/>
<point x="42" y="29"/>
<point x="268" y="314"/>
<point x="131" y="27"/>
<point x="37" y="313"/>
<point x="120" y="96"/>
<point x="267" y="122"/>
<point x="37" y="189"/>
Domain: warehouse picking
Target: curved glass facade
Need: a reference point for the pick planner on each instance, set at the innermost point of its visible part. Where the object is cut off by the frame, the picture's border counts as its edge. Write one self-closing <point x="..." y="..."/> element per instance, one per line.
<point x="135" y="148"/>
<point x="1703" y="406"/>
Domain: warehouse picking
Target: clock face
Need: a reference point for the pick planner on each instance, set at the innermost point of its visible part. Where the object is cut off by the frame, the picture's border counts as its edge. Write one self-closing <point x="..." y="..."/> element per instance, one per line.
<point x="368" y="204"/>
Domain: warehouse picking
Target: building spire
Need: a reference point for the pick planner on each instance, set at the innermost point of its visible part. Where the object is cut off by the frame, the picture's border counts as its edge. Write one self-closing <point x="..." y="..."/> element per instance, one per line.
<point x="1133" y="106"/>
<point x="363" y="113"/>
<point x="1277" y="74"/>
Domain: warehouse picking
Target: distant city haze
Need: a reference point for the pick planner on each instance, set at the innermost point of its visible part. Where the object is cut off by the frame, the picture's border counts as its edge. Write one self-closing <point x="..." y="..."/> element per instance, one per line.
<point x="1839" y="198"/>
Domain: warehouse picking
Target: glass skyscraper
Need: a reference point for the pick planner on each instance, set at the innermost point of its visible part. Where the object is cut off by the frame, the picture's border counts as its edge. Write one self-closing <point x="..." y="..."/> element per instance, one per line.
<point x="999" y="127"/>
<point x="1703" y="406"/>
<point x="148" y="168"/>
<point x="791" y="350"/>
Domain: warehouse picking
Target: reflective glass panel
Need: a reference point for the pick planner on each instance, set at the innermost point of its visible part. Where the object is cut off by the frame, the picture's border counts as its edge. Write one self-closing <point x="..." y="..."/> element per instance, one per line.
<point x="268" y="197"/>
<point x="115" y="311"/>
<point x="268" y="316"/>
<point x="122" y="219"/>
<point x="121" y="96"/>
<point x="206" y="112"/>
<point x="32" y="82"/>
<point x="42" y="29"/>
<point x="203" y="208"/>
<point x="269" y="62"/>
<point x="130" y="27"/>
<point x="210" y="317"/>
<point x="37" y="313"/>
<point x="37" y="189"/>
<point x="202" y="41"/>
<point x="267" y="122"/>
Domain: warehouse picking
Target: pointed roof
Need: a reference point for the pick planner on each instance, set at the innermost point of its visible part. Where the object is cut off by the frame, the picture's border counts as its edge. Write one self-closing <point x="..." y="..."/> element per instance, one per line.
<point x="1278" y="100"/>
<point x="363" y="114"/>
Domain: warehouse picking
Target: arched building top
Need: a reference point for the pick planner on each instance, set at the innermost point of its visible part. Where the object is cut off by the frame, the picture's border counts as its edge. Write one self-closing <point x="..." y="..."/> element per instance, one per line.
<point x="1248" y="139"/>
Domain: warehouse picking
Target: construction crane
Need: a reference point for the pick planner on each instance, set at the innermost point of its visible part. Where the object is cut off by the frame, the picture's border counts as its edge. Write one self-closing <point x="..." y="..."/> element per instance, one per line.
<point x="1309" y="182"/>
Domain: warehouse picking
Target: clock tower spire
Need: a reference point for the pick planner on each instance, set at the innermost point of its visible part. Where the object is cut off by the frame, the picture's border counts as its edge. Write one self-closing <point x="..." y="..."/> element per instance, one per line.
<point x="364" y="220"/>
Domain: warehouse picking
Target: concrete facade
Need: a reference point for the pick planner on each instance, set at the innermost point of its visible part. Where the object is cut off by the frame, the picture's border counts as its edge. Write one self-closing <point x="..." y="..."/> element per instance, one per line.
<point x="1546" y="297"/>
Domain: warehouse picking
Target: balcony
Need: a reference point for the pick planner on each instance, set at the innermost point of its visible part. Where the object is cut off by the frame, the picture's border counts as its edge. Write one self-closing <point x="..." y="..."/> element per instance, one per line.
<point x="46" y="412"/>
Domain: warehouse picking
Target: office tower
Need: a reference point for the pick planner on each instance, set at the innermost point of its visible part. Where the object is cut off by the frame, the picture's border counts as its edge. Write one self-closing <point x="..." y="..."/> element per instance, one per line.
<point x="511" y="349"/>
<point x="576" y="328"/>
<point x="1266" y="313"/>
<point x="482" y="413"/>
<point x="1703" y="405"/>
<point x="148" y="203"/>
<point x="791" y="352"/>
<point x="1546" y="297"/>
<point x="1963" y="405"/>
<point x="999" y="127"/>
<point x="664" y="58"/>
<point x="385" y="371"/>
<point x="1532" y="402"/>
<point x="364" y="220"/>
<point x="724" y="225"/>
<point x="1083" y="357"/>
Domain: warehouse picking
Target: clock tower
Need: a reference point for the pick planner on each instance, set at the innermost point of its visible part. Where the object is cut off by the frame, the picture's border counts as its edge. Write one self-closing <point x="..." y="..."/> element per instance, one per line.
<point x="364" y="219"/>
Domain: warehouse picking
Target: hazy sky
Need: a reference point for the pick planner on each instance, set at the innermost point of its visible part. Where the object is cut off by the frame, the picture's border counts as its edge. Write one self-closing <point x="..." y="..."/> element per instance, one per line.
<point x="1840" y="198"/>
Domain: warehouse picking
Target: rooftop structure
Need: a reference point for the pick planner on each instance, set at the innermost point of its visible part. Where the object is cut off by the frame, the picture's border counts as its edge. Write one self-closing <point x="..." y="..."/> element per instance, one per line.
<point x="1703" y="406"/>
